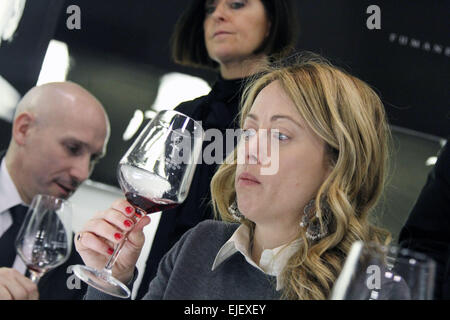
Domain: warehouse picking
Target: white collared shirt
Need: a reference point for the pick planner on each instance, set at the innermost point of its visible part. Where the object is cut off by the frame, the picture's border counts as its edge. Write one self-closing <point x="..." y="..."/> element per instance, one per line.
<point x="272" y="261"/>
<point x="9" y="197"/>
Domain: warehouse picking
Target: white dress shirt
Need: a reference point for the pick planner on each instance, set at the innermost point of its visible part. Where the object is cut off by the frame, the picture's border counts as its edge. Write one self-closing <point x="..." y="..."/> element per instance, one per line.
<point x="8" y="100"/>
<point x="272" y="261"/>
<point x="9" y="197"/>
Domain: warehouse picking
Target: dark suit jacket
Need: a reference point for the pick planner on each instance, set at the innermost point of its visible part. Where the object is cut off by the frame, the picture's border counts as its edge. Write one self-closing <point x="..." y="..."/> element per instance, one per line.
<point x="5" y="134"/>
<point x="60" y="283"/>
<point x="428" y="226"/>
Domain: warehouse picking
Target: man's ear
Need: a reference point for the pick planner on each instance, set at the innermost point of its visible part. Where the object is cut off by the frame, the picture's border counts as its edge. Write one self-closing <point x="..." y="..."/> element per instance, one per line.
<point x="21" y="127"/>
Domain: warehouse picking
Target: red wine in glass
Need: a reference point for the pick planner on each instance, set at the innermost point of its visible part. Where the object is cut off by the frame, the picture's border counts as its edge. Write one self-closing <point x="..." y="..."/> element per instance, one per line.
<point x="147" y="205"/>
<point x="146" y="191"/>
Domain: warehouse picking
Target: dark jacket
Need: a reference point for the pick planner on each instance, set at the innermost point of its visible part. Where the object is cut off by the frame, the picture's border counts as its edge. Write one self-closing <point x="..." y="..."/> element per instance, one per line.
<point x="59" y="283"/>
<point x="428" y="227"/>
<point x="218" y="110"/>
<point x="5" y="133"/>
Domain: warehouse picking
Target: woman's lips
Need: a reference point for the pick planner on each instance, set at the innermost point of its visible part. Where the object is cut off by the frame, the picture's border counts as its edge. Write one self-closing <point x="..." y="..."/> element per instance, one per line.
<point x="247" y="179"/>
<point x="220" y="33"/>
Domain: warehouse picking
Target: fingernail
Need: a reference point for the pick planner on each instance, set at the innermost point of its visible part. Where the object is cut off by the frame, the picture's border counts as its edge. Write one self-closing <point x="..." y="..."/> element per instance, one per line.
<point x="127" y="223"/>
<point x="129" y="209"/>
<point x="118" y="236"/>
<point x="110" y="251"/>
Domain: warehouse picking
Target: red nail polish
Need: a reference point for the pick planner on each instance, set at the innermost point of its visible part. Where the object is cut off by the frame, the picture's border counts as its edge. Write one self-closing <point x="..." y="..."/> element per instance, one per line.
<point x="138" y="215"/>
<point x="110" y="251"/>
<point x="129" y="209"/>
<point x="127" y="223"/>
<point x="118" y="236"/>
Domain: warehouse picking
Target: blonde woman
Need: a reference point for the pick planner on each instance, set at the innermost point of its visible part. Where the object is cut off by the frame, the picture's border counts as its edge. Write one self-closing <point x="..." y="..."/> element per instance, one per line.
<point x="284" y="234"/>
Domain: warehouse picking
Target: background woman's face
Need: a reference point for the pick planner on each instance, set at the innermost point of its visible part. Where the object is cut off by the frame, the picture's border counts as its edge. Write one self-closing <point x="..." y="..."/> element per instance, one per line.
<point x="234" y="29"/>
<point x="303" y="165"/>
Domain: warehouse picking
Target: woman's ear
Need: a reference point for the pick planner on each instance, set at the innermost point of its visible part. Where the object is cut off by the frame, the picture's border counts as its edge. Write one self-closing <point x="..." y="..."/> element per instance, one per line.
<point x="330" y="160"/>
<point x="21" y="127"/>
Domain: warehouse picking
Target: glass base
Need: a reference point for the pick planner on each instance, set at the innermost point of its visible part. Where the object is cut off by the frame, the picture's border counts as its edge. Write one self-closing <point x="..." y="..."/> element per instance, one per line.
<point x="102" y="280"/>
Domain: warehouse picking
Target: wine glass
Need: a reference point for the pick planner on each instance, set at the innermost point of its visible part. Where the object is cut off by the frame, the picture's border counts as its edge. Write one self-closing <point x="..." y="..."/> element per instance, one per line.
<point x="375" y="272"/>
<point x="155" y="174"/>
<point x="45" y="237"/>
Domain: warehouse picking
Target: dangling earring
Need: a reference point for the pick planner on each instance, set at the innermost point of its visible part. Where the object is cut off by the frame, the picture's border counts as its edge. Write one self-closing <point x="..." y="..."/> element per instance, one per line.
<point x="311" y="222"/>
<point x="234" y="210"/>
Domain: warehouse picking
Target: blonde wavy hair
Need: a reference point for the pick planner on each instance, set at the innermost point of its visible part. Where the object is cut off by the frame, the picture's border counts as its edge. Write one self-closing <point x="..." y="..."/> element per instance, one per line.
<point x="349" y="116"/>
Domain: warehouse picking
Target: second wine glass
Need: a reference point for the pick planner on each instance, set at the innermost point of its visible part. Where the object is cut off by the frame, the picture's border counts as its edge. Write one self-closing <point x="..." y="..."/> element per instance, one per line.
<point x="375" y="272"/>
<point x="155" y="174"/>
<point x="45" y="237"/>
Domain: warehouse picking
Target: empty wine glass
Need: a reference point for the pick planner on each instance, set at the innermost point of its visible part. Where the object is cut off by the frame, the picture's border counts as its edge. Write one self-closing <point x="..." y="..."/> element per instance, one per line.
<point x="155" y="174"/>
<point x="375" y="272"/>
<point x="45" y="237"/>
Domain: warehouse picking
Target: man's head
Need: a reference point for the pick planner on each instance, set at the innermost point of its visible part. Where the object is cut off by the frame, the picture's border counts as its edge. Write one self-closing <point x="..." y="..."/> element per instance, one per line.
<point x="59" y="132"/>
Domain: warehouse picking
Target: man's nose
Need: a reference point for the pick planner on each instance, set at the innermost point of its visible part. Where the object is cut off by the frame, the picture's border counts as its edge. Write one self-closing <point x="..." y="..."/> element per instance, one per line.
<point x="81" y="169"/>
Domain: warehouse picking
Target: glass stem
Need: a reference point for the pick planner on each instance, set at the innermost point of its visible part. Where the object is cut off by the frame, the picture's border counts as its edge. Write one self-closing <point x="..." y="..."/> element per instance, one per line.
<point x="115" y="255"/>
<point x="35" y="276"/>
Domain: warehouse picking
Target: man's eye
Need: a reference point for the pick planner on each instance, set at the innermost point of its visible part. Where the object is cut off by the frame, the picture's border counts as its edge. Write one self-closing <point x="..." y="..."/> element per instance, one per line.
<point x="73" y="149"/>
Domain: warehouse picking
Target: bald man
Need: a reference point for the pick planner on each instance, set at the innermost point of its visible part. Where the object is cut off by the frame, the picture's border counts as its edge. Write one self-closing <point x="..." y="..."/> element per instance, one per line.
<point x="59" y="132"/>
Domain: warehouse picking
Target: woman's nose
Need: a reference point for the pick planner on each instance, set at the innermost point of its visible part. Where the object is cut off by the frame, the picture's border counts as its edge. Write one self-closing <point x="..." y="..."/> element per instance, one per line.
<point x="260" y="148"/>
<point x="220" y="12"/>
<point x="252" y="149"/>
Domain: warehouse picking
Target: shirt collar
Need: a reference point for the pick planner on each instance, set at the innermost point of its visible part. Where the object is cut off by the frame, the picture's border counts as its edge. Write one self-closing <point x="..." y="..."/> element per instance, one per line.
<point x="272" y="261"/>
<point x="9" y="196"/>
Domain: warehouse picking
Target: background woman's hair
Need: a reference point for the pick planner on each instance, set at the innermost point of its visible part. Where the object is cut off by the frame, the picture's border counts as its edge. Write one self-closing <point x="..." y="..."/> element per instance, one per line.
<point x="188" y="44"/>
<point x="349" y="116"/>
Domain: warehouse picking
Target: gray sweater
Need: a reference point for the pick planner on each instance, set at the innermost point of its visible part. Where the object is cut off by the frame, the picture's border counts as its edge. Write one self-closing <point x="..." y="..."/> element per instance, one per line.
<point x="185" y="271"/>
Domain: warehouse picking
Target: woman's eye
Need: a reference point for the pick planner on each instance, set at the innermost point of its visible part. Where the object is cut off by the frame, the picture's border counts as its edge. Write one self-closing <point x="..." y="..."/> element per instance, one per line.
<point x="247" y="133"/>
<point x="209" y="9"/>
<point x="237" y="4"/>
<point x="280" y="136"/>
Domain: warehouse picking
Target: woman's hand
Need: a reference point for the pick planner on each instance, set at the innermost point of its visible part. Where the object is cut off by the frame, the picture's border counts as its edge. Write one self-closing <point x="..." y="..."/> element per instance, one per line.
<point x="96" y="241"/>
